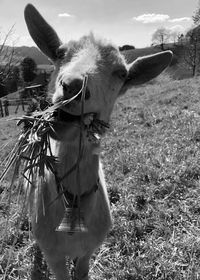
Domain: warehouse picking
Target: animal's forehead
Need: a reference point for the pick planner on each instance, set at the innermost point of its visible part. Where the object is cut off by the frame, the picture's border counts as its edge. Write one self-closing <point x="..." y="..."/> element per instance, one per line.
<point x="99" y="50"/>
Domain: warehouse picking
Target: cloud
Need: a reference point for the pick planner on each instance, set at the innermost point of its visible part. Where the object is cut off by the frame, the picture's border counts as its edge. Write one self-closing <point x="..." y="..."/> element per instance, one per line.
<point x="180" y="19"/>
<point x="151" y="18"/>
<point x="64" y="15"/>
<point x="154" y="18"/>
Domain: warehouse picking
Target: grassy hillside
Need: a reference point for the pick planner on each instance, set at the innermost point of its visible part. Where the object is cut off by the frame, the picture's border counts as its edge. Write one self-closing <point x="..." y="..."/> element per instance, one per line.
<point x="178" y="69"/>
<point x="151" y="157"/>
<point x="131" y="55"/>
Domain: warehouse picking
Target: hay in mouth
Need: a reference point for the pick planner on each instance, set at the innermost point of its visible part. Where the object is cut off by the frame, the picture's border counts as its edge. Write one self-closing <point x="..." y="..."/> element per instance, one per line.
<point x="32" y="154"/>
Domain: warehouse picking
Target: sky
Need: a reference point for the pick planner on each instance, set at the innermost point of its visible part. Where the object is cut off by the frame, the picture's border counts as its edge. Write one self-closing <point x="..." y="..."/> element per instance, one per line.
<point x="120" y="21"/>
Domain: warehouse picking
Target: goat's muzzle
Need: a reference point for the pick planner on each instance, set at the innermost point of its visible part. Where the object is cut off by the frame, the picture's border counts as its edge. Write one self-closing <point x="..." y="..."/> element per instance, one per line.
<point x="72" y="88"/>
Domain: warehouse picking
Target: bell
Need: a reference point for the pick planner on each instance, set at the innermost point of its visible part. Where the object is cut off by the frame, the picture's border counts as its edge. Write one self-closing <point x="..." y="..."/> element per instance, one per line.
<point x="72" y="222"/>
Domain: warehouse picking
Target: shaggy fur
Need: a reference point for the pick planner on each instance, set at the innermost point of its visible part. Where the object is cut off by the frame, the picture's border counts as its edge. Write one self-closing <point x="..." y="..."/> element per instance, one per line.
<point x="108" y="76"/>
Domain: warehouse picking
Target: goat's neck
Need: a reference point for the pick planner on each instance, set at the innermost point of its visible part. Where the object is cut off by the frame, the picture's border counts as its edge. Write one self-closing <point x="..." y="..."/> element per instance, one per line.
<point x="85" y="165"/>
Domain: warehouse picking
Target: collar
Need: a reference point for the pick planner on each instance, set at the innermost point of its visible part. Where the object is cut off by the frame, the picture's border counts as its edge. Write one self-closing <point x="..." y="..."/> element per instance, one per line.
<point x="72" y="200"/>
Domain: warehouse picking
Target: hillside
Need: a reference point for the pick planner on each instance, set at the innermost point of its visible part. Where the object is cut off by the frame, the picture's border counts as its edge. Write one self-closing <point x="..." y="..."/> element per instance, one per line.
<point x="34" y="53"/>
<point x="178" y="69"/>
<point x="175" y="48"/>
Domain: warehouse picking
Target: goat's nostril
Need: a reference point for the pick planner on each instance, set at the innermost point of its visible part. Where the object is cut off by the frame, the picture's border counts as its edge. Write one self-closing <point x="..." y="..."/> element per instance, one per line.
<point x="74" y="87"/>
<point x="64" y="86"/>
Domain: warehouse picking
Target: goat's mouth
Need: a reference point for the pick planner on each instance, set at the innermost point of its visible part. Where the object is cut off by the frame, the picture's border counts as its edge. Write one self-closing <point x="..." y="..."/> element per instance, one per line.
<point x="89" y="122"/>
<point x="68" y="117"/>
<point x="75" y="112"/>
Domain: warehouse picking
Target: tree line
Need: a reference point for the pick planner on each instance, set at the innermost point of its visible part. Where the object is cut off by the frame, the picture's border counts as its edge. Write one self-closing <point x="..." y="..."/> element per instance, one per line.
<point x="189" y="42"/>
<point x="14" y="73"/>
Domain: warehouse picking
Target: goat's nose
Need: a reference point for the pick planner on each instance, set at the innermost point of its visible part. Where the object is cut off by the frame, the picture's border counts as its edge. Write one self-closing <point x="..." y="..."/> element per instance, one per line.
<point x="73" y="88"/>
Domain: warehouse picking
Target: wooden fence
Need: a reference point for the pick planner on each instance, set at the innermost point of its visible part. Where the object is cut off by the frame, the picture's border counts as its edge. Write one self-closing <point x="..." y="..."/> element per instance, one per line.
<point x="27" y="98"/>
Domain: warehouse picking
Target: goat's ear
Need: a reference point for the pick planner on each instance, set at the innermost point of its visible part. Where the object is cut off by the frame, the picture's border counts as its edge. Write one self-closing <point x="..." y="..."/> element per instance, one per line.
<point x="42" y="33"/>
<point x="145" y="68"/>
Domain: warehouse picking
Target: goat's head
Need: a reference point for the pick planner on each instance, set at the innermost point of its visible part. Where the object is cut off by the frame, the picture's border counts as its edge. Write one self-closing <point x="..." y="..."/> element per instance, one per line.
<point x="109" y="74"/>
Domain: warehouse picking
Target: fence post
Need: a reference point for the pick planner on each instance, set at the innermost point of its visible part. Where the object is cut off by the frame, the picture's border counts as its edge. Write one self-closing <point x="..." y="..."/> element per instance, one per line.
<point x="1" y="109"/>
<point x="22" y="102"/>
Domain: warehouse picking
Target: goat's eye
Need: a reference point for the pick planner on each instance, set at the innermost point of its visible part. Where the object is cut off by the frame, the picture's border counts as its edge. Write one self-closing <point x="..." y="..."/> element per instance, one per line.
<point x="121" y="73"/>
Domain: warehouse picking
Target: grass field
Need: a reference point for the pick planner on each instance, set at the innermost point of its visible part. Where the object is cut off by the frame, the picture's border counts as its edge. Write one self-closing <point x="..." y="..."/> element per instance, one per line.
<point x="151" y="157"/>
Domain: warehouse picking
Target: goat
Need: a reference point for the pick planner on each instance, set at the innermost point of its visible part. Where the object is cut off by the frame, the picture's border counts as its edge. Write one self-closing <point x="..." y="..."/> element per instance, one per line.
<point x="109" y="74"/>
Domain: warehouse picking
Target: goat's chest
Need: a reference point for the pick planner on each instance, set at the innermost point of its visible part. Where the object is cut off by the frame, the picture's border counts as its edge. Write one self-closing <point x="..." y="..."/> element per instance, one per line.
<point x="76" y="166"/>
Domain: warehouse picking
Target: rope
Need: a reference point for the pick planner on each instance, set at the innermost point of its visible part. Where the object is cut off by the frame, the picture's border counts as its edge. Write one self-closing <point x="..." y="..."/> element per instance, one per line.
<point x="81" y="144"/>
<point x="77" y="164"/>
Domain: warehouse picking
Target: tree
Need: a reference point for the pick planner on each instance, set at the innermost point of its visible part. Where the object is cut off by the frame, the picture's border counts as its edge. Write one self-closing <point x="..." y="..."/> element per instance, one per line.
<point x="175" y="35"/>
<point x="28" y="67"/>
<point x="161" y="36"/>
<point x="181" y="38"/>
<point x="192" y="46"/>
<point x="13" y="80"/>
<point x="192" y="49"/>
<point x="126" y="47"/>
<point x="196" y="16"/>
<point x="7" y="58"/>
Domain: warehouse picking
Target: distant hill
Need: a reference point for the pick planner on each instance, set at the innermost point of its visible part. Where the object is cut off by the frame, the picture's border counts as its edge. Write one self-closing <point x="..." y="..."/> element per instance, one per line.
<point x="33" y="52"/>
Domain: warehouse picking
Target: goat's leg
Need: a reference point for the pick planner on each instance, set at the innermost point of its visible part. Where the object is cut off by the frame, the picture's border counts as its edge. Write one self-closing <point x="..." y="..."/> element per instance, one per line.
<point x="58" y="267"/>
<point x="82" y="268"/>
